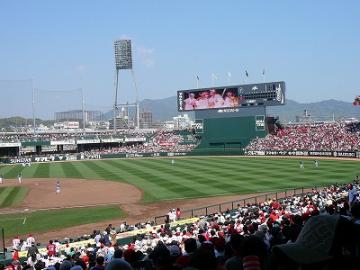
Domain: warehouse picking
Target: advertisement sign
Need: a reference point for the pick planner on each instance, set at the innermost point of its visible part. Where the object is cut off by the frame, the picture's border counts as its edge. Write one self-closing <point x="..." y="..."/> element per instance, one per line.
<point x="346" y="154"/>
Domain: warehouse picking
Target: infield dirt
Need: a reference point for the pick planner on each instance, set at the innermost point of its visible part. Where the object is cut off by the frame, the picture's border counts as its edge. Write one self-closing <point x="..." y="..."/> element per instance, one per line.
<point x="87" y="193"/>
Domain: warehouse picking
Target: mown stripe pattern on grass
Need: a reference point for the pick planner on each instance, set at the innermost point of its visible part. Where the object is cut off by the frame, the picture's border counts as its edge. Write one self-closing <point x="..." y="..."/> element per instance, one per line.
<point x="10" y="196"/>
<point x="194" y="177"/>
<point x="42" y="221"/>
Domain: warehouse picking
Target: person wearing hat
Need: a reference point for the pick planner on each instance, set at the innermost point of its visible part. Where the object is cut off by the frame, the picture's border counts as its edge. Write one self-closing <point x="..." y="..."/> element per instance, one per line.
<point x="321" y="240"/>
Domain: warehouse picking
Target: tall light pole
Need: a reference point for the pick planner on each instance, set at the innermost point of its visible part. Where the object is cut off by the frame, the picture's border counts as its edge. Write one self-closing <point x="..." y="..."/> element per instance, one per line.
<point x="123" y="60"/>
<point x="33" y="106"/>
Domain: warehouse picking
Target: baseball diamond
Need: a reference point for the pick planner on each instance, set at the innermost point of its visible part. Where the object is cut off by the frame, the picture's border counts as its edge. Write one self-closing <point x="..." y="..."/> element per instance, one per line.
<point x="159" y="181"/>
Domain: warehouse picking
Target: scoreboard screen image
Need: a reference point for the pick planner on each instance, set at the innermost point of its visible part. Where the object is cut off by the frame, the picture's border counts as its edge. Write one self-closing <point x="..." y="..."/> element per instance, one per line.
<point x="208" y="99"/>
<point x="263" y="94"/>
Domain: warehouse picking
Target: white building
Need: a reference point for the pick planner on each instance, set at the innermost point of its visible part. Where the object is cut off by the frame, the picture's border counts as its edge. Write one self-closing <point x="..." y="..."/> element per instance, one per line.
<point x="182" y="121"/>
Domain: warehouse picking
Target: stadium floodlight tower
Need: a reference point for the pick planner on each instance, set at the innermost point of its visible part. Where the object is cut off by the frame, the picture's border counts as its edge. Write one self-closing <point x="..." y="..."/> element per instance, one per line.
<point x="123" y="60"/>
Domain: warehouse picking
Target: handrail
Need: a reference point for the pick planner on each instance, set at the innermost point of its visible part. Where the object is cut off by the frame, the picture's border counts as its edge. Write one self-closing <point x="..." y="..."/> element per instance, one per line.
<point x="243" y="202"/>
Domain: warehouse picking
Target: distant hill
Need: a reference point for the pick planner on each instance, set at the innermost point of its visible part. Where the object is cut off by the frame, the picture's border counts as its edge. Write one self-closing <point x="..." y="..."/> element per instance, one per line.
<point x="319" y="110"/>
<point x="164" y="109"/>
<point x="12" y="123"/>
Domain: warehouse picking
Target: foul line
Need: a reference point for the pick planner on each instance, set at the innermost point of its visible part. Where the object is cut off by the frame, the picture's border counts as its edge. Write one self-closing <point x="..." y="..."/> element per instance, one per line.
<point x="56" y="208"/>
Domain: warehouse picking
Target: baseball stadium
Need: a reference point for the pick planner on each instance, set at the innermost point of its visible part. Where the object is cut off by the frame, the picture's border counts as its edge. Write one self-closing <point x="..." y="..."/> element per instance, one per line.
<point x="226" y="185"/>
<point x="232" y="158"/>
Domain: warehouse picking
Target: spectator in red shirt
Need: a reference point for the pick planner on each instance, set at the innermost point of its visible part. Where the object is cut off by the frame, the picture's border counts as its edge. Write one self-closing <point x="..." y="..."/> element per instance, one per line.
<point x="15" y="255"/>
<point x="178" y="213"/>
<point x="51" y="249"/>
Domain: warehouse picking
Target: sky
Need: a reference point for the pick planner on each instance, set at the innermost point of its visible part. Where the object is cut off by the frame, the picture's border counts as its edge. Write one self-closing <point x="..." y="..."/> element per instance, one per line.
<point x="68" y="45"/>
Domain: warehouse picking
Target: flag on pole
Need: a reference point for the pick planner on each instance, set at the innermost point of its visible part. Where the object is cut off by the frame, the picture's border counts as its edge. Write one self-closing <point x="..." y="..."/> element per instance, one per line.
<point x="197" y="77"/>
<point x="263" y="71"/>
<point x="213" y="79"/>
<point x="246" y="73"/>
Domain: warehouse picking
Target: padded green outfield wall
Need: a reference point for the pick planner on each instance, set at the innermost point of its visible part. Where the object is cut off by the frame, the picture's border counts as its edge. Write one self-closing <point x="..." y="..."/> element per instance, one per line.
<point x="230" y="135"/>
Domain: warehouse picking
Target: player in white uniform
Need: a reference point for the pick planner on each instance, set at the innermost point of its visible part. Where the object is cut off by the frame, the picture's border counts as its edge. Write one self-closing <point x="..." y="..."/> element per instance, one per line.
<point x="230" y="100"/>
<point x="316" y="163"/>
<point x="301" y="164"/>
<point x="58" y="187"/>
<point x="190" y="102"/>
<point x="215" y="99"/>
<point x="203" y="101"/>
<point x="172" y="162"/>
<point x="1" y="178"/>
<point x="19" y="178"/>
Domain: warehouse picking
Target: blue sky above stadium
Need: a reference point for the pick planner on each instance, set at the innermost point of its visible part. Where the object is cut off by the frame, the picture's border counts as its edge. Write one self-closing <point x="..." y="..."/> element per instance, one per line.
<point x="312" y="45"/>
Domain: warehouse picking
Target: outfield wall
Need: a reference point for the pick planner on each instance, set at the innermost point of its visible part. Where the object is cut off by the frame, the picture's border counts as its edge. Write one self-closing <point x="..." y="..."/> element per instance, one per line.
<point x="230" y="134"/>
<point x="337" y="154"/>
<point x="198" y="152"/>
<point x="229" y="130"/>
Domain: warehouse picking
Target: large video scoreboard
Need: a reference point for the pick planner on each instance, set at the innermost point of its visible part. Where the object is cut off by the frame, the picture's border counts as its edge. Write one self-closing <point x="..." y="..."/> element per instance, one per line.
<point x="262" y="94"/>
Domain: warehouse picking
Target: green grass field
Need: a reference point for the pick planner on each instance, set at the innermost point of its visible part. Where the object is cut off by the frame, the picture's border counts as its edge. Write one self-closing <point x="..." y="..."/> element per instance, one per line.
<point x="42" y="221"/>
<point x="160" y="180"/>
<point x="197" y="176"/>
<point x="10" y="196"/>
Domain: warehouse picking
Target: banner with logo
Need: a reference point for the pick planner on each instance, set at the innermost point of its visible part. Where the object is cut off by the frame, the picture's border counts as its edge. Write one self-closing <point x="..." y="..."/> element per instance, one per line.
<point x="345" y="154"/>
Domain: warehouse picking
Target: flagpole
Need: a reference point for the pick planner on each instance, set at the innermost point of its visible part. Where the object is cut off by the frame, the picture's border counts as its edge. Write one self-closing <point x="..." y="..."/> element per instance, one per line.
<point x="197" y="81"/>
<point x="263" y="75"/>
<point x="246" y="76"/>
<point x="229" y="77"/>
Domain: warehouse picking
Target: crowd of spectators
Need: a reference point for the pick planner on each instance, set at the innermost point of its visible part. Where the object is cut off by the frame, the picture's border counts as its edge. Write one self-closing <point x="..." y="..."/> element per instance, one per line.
<point x="64" y="136"/>
<point x="162" y="141"/>
<point x="317" y="230"/>
<point x="334" y="136"/>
